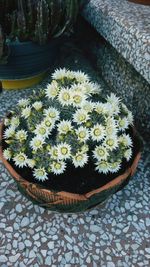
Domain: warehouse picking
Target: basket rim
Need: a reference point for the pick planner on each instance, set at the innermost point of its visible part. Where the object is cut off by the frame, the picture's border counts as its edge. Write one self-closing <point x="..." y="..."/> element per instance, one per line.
<point x="116" y="181"/>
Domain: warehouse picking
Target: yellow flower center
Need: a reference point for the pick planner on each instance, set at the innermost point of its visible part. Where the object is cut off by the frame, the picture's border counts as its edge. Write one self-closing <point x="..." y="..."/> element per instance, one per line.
<point x="77" y="99"/>
<point x="65" y="128"/>
<point x="38" y="143"/>
<point x="57" y="165"/>
<point x="82" y="134"/>
<point x="40" y="173"/>
<point x="121" y="123"/>
<point x="64" y="150"/>
<point x="66" y="96"/>
<point x="101" y="152"/>
<point x="54" y="92"/>
<point x="79" y="157"/>
<point x="110" y="142"/>
<point x="21" y="158"/>
<point x="103" y="164"/>
<point x="42" y="131"/>
<point x="82" y="117"/>
<point x="52" y="114"/>
<point x="97" y="132"/>
<point x="22" y="136"/>
<point x="48" y="123"/>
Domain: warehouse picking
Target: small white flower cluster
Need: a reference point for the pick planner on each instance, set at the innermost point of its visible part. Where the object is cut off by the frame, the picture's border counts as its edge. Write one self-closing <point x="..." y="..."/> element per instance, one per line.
<point x="69" y="123"/>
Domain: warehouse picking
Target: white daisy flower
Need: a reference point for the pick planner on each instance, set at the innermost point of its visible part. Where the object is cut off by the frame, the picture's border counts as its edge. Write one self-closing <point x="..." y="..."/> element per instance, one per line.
<point x="102" y="166"/>
<point x="53" y="152"/>
<point x="64" y="127"/>
<point x="81" y="77"/>
<point x="36" y="143"/>
<point x="37" y="105"/>
<point x="40" y="174"/>
<point x="64" y="151"/>
<point x="97" y="132"/>
<point x="42" y="130"/>
<point x="113" y="99"/>
<point x="109" y="109"/>
<point x="9" y="132"/>
<point x="52" y="90"/>
<point x="80" y="116"/>
<point x="31" y="163"/>
<point x="70" y="74"/>
<point x="130" y="118"/>
<point x="26" y="112"/>
<point x="6" y="122"/>
<point x="58" y="167"/>
<point x="23" y="102"/>
<point x="100" y="108"/>
<point x="125" y="140"/>
<point x="123" y="123"/>
<point x="65" y="97"/>
<point x="128" y="154"/>
<point x="82" y="134"/>
<point x="21" y="135"/>
<point x="52" y="113"/>
<point x="115" y="166"/>
<point x="49" y="124"/>
<point x="91" y="88"/>
<point x="88" y="106"/>
<point x="110" y="122"/>
<point x="111" y="127"/>
<point x="111" y="130"/>
<point x="15" y="121"/>
<point x="7" y="154"/>
<point x="60" y="74"/>
<point x="80" y="159"/>
<point x="100" y="152"/>
<point x="112" y="109"/>
<point x="20" y="160"/>
<point x="128" y="113"/>
<point x="111" y="142"/>
<point x="78" y="98"/>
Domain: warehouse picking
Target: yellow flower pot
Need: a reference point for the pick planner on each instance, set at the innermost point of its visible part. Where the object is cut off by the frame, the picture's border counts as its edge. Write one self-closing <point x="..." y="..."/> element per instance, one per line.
<point x="23" y="83"/>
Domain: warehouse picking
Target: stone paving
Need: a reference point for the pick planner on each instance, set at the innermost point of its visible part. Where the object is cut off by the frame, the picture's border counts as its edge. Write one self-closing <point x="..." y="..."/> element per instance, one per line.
<point x="115" y="234"/>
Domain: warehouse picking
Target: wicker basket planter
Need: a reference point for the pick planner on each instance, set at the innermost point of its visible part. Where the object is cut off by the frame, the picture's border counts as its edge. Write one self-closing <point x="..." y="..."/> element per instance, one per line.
<point x="63" y="201"/>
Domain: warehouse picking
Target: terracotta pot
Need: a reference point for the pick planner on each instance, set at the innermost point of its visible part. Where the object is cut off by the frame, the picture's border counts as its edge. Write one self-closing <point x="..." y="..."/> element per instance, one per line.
<point x="142" y="2"/>
<point x="64" y="201"/>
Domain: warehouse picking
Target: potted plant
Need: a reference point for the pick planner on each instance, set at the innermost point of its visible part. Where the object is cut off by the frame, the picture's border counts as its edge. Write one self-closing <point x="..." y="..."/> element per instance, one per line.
<point x="67" y="147"/>
<point x="30" y="37"/>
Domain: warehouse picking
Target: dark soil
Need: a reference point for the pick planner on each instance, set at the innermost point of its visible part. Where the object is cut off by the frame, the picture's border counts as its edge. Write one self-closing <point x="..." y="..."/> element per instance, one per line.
<point x="79" y="180"/>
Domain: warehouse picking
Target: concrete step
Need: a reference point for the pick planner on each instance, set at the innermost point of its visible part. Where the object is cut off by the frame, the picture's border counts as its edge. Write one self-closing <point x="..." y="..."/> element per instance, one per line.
<point x="126" y="27"/>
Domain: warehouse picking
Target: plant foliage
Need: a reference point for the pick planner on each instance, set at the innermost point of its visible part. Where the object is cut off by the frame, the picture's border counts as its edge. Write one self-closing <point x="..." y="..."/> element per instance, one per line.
<point x="36" y="20"/>
<point x="68" y="123"/>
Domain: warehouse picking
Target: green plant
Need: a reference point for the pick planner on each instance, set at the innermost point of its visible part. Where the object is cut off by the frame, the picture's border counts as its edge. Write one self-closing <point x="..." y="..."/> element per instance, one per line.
<point x="68" y="123"/>
<point x="3" y="48"/>
<point x="37" y="20"/>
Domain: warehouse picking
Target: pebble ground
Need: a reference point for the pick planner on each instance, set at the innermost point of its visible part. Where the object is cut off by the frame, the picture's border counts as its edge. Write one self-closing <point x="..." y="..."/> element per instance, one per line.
<point x="115" y="234"/>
